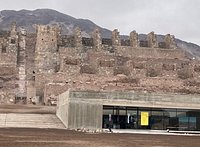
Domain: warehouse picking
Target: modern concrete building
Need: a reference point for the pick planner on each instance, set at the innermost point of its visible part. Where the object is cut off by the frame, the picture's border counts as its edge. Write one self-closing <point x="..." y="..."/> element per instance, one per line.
<point x="128" y="110"/>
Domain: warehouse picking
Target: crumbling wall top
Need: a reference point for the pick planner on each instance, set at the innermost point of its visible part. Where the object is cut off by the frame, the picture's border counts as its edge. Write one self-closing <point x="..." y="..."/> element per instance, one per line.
<point x="97" y="39"/>
<point x="170" y="41"/>
<point x="13" y="29"/>
<point x="134" y="41"/>
<point x="77" y="37"/>
<point x="116" y="41"/>
<point x="152" y="40"/>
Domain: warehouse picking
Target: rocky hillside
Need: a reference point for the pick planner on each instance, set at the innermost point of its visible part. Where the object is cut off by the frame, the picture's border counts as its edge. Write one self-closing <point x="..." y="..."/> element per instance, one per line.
<point x="28" y="19"/>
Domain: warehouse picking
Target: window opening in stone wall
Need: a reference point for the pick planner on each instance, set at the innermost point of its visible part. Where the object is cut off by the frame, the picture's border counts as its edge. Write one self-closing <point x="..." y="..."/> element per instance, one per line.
<point x="16" y="85"/>
<point x="13" y="41"/>
<point x="57" y="67"/>
<point x="33" y="77"/>
<point x="3" y="49"/>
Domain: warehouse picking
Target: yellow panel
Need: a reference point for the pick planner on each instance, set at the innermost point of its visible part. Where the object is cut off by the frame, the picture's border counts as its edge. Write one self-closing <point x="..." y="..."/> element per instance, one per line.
<point x="144" y="118"/>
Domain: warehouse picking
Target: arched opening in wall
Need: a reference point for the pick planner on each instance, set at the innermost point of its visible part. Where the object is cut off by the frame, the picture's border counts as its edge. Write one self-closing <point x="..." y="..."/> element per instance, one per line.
<point x="56" y="67"/>
<point x="13" y="41"/>
<point x="3" y="49"/>
<point x="33" y="77"/>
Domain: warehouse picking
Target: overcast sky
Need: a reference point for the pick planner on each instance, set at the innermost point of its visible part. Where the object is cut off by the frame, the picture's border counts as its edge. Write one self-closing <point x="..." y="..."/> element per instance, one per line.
<point x="178" y="17"/>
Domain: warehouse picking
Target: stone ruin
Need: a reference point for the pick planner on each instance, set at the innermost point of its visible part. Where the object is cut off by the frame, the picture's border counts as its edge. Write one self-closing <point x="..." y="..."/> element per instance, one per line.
<point x="134" y="41"/>
<point x="42" y="65"/>
<point x="116" y="41"/>
<point x="170" y="42"/>
<point x="97" y="39"/>
<point x="152" y="40"/>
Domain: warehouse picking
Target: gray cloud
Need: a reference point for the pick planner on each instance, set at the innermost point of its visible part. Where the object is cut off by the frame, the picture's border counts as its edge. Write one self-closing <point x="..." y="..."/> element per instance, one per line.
<point x="178" y="17"/>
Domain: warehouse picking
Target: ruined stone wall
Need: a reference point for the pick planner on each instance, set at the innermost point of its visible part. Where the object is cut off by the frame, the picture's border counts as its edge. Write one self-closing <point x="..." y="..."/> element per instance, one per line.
<point x="46" y="64"/>
<point x="7" y="97"/>
<point x="70" y="60"/>
<point x="149" y="52"/>
<point x="30" y="56"/>
<point x="52" y="90"/>
<point x="111" y="64"/>
<point x="21" y="61"/>
<point x="8" y="66"/>
<point x="66" y="41"/>
<point x="31" y="91"/>
<point x="9" y="48"/>
<point x="43" y="79"/>
<point x="7" y="59"/>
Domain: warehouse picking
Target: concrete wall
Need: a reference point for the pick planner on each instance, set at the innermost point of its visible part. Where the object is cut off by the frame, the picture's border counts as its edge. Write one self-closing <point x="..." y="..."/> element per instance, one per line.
<point x="63" y="108"/>
<point x="83" y="109"/>
<point x="85" y="115"/>
<point x="75" y="114"/>
<point x="138" y="99"/>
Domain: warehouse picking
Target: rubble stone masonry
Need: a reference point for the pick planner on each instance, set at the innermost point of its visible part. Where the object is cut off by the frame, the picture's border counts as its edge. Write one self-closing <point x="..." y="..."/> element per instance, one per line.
<point x="45" y="64"/>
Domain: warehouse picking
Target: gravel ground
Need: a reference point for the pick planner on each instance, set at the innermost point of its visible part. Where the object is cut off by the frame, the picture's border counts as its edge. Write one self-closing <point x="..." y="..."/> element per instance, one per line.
<point x="15" y="137"/>
<point x="34" y="109"/>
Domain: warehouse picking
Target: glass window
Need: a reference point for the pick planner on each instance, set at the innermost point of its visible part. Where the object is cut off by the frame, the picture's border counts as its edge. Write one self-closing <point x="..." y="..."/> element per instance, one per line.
<point x="170" y="120"/>
<point x="122" y="118"/>
<point x="107" y="112"/>
<point x="182" y="113"/>
<point x="198" y="123"/>
<point x="192" y="123"/>
<point x="132" y="118"/>
<point x="156" y="120"/>
<point x="169" y="112"/>
<point x="193" y="113"/>
<point x="183" y="123"/>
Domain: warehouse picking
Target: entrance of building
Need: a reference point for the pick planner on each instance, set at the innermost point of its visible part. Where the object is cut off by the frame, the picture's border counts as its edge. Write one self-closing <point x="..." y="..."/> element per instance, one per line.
<point x="119" y="117"/>
<point x="122" y="117"/>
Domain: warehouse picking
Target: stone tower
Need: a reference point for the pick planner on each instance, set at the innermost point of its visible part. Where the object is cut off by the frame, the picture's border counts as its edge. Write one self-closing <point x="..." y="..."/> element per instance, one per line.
<point x="21" y="92"/>
<point x="96" y="35"/>
<point x="13" y="42"/>
<point x="170" y="41"/>
<point x="134" y="42"/>
<point x="116" y="41"/>
<point x="13" y="30"/>
<point x="46" y="50"/>
<point x="77" y="37"/>
<point x="152" y="40"/>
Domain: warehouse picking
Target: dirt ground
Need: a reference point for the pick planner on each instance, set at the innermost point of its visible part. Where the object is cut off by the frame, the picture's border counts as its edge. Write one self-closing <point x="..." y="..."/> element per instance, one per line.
<point x="12" y="137"/>
<point x="27" y="109"/>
